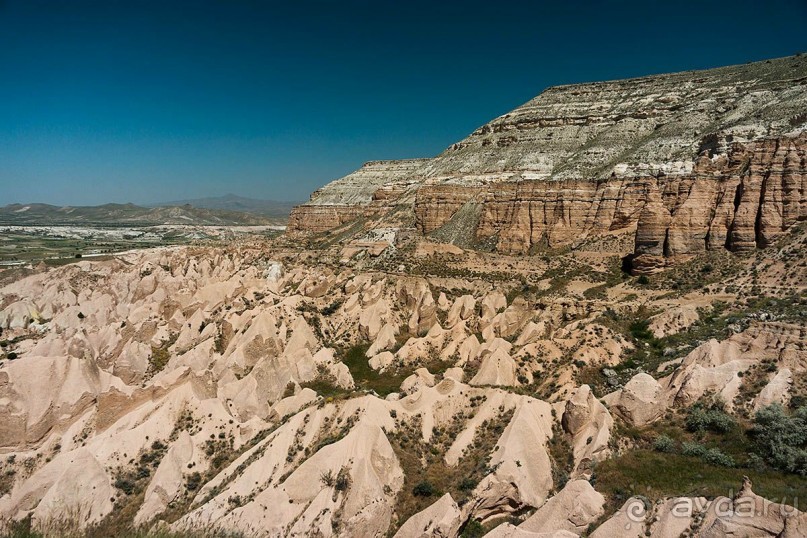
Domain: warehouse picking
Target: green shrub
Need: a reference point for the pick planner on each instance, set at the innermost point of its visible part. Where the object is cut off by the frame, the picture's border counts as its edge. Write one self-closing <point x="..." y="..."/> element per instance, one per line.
<point x="193" y="481"/>
<point x="327" y="478"/>
<point x="424" y="489"/>
<point x="124" y="484"/>
<point x="781" y="439"/>
<point x="640" y="330"/>
<point x="664" y="443"/>
<point x="473" y="529"/>
<point x="714" y="419"/>
<point x="331" y="308"/>
<point x="342" y="480"/>
<point x="643" y="280"/>
<point x="692" y="449"/>
<point x="712" y="456"/>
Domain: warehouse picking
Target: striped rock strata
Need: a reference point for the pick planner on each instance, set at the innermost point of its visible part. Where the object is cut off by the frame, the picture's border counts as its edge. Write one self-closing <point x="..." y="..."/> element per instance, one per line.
<point x="685" y="162"/>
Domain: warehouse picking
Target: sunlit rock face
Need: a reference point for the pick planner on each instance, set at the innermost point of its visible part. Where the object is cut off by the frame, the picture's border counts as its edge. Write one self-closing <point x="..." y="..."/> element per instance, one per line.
<point x="393" y="384"/>
<point x="685" y="162"/>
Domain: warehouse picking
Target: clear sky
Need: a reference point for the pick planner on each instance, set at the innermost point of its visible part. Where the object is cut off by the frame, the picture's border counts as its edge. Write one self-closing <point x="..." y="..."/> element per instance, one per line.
<point x="139" y="101"/>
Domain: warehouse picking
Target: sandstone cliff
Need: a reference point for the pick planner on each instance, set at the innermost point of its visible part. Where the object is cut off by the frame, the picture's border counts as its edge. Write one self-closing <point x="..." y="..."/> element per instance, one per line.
<point x="685" y="162"/>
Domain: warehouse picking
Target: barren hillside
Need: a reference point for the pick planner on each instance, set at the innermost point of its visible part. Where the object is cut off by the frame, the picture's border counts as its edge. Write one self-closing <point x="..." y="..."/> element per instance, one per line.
<point x="589" y="318"/>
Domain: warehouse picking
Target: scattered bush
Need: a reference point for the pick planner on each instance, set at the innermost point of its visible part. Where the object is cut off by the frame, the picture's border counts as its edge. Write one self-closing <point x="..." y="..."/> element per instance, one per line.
<point x="643" y="280"/>
<point x="327" y="478"/>
<point x="125" y="485"/>
<point x="713" y="419"/>
<point x="756" y="463"/>
<point x="342" y="481"/>
<point x="159" y="358"/>
<point x="289" y="390"/>
<point x="712" y="456"/>
<point x="640" y="329"/>
<point x="692" y="449"/>
<point x="331" y="308"/>
<point x="424" y="489"/>
<point x="664" y="443"/>
<point x="193" y="481"/>
<point x="781" y="439"/>
<point x="473" y="529"/>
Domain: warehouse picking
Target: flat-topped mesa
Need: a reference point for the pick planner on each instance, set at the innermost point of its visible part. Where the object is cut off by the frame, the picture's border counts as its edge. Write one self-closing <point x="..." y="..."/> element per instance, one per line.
<point x="352" y="196"/>
<point x="687" y="162"/>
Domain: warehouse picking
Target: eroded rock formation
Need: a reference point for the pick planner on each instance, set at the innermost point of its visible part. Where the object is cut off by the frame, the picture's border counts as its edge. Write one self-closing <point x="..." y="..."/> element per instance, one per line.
<point x="684" y="163"/>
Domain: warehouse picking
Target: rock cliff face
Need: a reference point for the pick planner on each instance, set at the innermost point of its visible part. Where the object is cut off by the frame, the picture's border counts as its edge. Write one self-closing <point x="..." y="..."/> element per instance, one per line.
<point x="367" y="191"/>
<point x="739" y="201"/>
<point x="686" y="162"/>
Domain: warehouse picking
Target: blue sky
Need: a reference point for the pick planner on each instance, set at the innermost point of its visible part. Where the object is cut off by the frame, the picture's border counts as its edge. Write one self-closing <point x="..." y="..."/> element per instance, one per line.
<point x="139" y="101"/>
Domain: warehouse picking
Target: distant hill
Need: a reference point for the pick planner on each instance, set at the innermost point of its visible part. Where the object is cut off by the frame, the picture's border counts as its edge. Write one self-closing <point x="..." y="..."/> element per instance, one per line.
<point x="127" y="214"/>
<point x="272" y="209"/>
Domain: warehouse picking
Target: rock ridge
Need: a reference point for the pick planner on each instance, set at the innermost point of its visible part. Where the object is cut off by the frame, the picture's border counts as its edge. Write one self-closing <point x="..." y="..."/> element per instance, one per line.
<point x="683" y="163"/>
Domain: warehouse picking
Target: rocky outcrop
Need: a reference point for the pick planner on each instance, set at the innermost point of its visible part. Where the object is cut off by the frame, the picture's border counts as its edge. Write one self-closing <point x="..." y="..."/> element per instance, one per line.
<point x="640" y="402"/>
<point x="573" y="509"/>
<point x="718" y="369"/>
<point x="589" y="423"/>
<point x="440" y="520"/>
<point x="365" y="192"/>
<point x="689" y="162"/>
<point x="747" y="514"/>
<point x="436" y="204"/>
<point x="321" y="218"/>
<point x="742" y="200"/>
<point x="525" y="215"/>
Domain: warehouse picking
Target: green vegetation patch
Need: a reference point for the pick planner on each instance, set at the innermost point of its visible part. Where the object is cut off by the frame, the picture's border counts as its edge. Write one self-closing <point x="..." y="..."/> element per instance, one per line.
<point x="160" y="355"/>
<point x="781" y="439"/>
<point x="711" y="267"/>
<point x="706" y="452"/>
<point x="661" y="474"/>
<point x="382" y="383"/>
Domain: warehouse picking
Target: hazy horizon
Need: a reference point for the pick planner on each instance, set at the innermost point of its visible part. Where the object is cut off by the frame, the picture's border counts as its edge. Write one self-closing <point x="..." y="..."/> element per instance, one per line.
<point x="146" y="103"/>
<point x="157" y="203"/>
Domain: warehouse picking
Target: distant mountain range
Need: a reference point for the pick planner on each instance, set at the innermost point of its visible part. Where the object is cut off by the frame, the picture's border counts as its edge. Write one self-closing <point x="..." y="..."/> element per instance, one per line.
<point x="272" y="209"/>
<point x="132" y="215"/>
